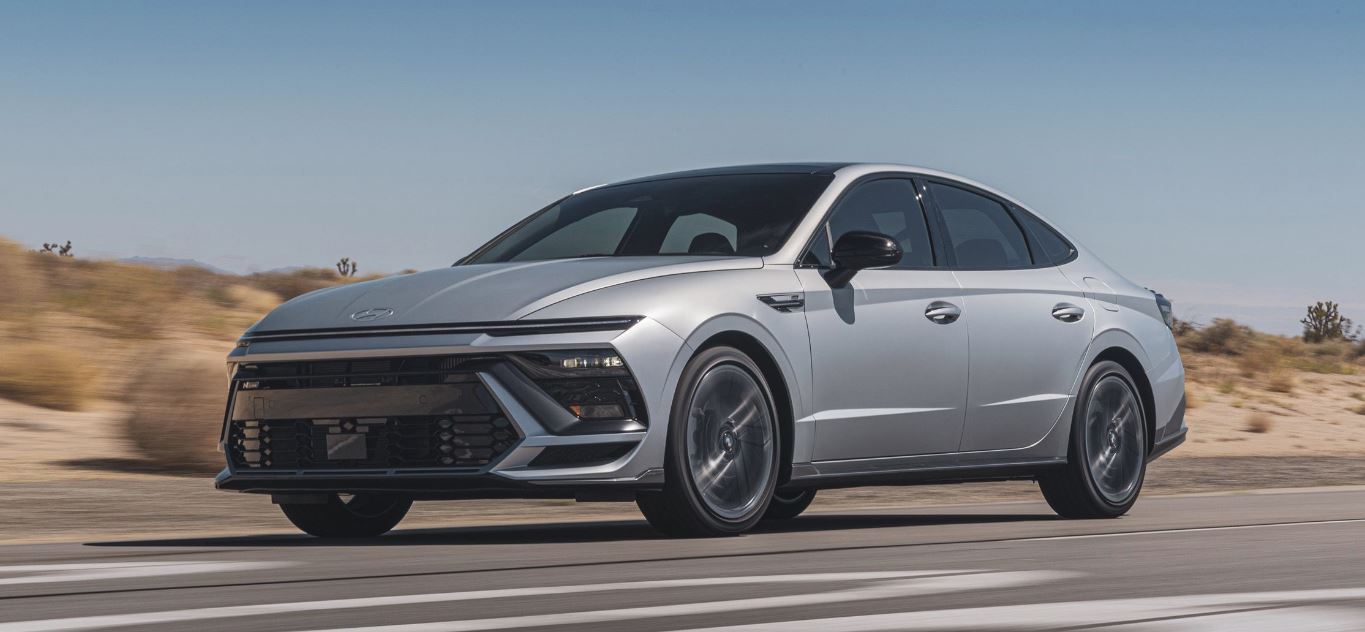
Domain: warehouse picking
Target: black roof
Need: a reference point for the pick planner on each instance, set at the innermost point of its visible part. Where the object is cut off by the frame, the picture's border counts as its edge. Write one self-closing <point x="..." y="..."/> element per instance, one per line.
<point x="822" y="168"/>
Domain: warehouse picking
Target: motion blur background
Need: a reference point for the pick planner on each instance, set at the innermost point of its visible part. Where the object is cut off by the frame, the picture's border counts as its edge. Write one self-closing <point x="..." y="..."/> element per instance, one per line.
<point x="171" y="171"/>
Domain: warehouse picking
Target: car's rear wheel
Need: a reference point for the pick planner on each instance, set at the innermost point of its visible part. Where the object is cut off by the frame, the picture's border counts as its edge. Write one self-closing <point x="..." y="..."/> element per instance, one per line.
<point x="721" y="462"/>
<point x="788" y="503"/>
<point x="1107" y="455"/>
<point x="348" y="516"/>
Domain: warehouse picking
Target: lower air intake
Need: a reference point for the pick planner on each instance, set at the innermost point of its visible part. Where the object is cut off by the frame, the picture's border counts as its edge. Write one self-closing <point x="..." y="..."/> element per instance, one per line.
<point x="409" y="442"/>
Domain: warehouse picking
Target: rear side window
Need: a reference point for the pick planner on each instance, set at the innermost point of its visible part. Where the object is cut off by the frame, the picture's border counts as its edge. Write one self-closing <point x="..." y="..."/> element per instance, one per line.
<point x="981" y="233"/>
<point x="888" y="207"/>
<point x="1053" y="246"/>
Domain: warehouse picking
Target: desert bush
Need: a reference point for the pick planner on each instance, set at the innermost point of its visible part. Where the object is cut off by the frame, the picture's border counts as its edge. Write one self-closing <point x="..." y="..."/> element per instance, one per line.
<point x="346" y="267"/>
<point x="47" y="375"/>
<point x="1259" y="423"/>
<point x="1258" y="359"/>
<point x="1224" y="336"/>
<point x="1280" y="381"/>
<point x="1324" y="322"/>
<point x="176" y="410"/>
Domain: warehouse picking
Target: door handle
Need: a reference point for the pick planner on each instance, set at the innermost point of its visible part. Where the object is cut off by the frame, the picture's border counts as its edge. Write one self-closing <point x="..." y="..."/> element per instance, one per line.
<point x="1067" y="312"/>
<point x="942" y="313"/>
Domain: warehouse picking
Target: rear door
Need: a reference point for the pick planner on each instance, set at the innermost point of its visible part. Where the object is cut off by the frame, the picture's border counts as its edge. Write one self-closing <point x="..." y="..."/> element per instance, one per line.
<point x="889" y="381"/>
<point x="1028" y="326"/>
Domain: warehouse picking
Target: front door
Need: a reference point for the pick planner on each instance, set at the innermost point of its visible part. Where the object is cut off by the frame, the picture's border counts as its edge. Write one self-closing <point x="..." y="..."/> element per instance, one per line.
<point x="890" y="369"/>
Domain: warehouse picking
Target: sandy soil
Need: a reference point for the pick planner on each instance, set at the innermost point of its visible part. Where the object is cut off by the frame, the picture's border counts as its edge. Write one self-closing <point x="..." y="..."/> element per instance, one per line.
<point x="1316" y="417"/>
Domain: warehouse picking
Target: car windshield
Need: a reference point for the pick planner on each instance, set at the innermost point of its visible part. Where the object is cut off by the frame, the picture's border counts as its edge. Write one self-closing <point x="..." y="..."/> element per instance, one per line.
<point x="744" y="214"/>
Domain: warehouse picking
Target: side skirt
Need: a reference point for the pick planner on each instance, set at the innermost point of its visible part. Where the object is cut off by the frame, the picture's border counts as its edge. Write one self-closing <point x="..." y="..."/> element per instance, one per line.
<point x="812" y="476"/>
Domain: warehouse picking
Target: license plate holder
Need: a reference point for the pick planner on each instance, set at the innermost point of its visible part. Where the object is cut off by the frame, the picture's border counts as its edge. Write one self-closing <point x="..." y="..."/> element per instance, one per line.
<point x="346" y="447"/>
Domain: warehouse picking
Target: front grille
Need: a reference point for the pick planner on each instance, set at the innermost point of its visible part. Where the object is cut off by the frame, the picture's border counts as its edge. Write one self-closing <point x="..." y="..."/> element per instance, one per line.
<point x="419" y="413"/>
<point x="367" y="372"/>
<point x="425" y="442"/>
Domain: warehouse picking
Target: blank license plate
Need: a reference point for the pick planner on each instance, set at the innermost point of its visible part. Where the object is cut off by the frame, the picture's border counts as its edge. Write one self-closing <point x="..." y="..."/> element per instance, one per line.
<point x="345" y="447"/>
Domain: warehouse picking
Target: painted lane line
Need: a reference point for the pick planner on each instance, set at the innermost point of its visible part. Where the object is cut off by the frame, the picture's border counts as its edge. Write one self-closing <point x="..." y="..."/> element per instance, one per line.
<point x="1193" y="610"/>
<point x="53" y="573"/>
<point x="1267" y="525"/>
<point x="223" y="612"/>
<point x="884" y="590"/>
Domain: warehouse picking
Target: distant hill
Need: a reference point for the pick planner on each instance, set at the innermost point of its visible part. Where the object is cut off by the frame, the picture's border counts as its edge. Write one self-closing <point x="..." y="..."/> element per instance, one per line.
<point x="168" y="263"/>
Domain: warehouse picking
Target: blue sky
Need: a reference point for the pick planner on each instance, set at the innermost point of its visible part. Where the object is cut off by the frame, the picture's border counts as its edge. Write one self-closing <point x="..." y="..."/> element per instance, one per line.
<point x="1210" y="150"/>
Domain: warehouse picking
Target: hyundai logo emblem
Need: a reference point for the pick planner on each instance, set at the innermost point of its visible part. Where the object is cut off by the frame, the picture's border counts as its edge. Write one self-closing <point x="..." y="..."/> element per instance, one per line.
<point x="373" y="313"/>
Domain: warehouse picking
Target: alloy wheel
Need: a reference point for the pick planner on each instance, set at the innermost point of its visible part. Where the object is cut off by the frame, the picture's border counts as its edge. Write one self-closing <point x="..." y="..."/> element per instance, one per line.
<point x="1114" y="439"/>
<point x="730" y="441"/>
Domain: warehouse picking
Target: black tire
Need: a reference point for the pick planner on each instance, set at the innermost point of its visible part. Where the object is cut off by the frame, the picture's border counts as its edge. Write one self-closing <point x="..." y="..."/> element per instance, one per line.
<point x="682" y="509"/>
<point x="788" y="503"/>
<point x="1074" y="490"/>
<point x="360" y="516"/>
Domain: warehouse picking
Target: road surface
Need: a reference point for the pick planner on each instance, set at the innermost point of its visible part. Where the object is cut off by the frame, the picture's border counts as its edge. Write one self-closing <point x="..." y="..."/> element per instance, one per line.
<point x="1283" y="560"/>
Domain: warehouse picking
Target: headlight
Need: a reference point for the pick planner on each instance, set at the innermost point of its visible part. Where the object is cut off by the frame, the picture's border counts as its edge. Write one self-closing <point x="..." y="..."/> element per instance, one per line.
<point x="592" y="384"/>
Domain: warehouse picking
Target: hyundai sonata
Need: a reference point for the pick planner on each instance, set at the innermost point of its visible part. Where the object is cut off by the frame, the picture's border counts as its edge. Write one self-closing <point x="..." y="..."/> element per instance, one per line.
<point x="716" y="345"/>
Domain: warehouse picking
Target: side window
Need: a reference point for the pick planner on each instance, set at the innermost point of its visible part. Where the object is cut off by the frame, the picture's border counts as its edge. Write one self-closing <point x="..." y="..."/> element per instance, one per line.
<point x="598" y="233"/>
<point x="889" y="207"/>
<point x="981" y="232"/>
<point x="699" y="233"/>
<point x="1052" y="245"/>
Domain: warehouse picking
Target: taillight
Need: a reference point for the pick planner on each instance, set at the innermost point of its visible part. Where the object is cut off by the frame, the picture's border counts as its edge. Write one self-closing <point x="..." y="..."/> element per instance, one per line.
<point x="1167" y="312"/>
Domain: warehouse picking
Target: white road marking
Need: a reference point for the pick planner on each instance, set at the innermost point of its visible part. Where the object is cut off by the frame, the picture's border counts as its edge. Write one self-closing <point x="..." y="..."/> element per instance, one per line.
<point x="884" y="590"/>
<point x="1121" y="534"/>
<point x="1203" y="613"/>
<point x="53" y="573"/>
<point x="890" y="584"/>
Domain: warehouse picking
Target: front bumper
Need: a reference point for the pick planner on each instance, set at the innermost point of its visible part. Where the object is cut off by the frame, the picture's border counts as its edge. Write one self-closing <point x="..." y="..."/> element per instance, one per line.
<point x="551" y="455"/>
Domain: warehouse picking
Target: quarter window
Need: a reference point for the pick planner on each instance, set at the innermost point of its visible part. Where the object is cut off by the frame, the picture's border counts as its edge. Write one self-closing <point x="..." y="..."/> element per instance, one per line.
<point x="1053" y="246"/>
<point x="981" y="233"/>
<point x="889" y="207"/>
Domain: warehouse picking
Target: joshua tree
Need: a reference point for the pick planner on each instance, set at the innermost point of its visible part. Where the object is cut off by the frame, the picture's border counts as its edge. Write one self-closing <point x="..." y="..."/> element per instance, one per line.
<point x="346" y="267"/>
<point x="58" y="249"/>
<point x="1324" y="322"/>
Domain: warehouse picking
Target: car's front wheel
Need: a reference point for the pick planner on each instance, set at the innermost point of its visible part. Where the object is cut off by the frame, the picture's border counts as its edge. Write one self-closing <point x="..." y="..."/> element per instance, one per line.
<point x="721" y="463"/>
<point x="1107" y="456"/>
<point x="349" y="516"/>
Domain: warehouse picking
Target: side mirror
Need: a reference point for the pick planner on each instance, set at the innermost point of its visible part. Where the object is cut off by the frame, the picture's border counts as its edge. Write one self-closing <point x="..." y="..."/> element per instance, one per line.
<point x="858" y="250"/>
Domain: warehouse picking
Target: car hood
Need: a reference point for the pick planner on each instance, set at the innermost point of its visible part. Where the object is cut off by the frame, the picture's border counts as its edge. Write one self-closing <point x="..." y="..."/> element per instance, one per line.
<point x="479" y="293"/>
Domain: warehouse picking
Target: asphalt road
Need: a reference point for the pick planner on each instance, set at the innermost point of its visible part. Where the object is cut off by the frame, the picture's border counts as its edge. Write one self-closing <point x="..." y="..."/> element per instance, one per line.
<point x="1287" y="560"/>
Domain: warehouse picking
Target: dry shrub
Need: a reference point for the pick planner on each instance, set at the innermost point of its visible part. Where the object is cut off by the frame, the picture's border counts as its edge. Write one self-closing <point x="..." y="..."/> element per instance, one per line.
<point x="1259" y="423"/>
<point x="1190" y="402"/>
<point x="1258" y="359"/>
<point x="1280" y="381"/>
<point x="1224" y="337"/>
<point x="176" y="410"/>
<point x="47" y="375"/>
<point x="1359" y="410"/>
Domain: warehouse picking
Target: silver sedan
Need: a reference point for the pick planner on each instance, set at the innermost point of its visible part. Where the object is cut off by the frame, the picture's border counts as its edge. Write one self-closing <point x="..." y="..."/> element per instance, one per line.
<point x="716" y="346"/>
